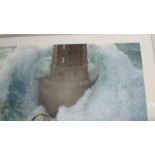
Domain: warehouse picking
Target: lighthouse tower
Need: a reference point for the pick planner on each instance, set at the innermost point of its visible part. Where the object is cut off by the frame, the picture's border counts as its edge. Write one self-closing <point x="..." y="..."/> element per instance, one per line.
<point x="68" y="78"/>
<point x="70" y="63"/>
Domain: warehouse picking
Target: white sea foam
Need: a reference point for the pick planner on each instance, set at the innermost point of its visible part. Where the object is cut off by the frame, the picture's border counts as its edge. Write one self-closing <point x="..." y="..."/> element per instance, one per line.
<point x="25" y="65"/>
<point x="118" y="93"/>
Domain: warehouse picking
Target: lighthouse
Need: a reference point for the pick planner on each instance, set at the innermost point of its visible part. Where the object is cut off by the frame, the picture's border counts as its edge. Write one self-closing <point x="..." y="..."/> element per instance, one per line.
<point x="70" y="63"/>
<point x="68" y="78"/>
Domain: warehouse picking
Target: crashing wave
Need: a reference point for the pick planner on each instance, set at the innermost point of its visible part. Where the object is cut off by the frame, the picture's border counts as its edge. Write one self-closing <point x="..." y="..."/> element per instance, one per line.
<point x="118" y="93"/>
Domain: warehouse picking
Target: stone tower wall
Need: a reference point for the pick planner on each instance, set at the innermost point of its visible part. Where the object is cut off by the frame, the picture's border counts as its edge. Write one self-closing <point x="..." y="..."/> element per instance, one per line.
<point x="70" y="62"/>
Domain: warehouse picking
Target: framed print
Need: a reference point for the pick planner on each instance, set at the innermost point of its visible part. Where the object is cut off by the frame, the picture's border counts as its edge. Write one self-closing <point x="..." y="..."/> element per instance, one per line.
<point x="77" y="77"/>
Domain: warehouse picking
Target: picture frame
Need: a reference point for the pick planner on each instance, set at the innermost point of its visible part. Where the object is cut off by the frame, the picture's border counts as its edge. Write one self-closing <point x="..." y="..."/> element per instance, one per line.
<point x="145" y="42"/>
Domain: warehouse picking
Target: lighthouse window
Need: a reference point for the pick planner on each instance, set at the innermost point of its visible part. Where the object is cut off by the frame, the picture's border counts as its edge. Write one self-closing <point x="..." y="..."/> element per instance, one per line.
<point x="63" y="47"/>
<point x="62" y="60"/>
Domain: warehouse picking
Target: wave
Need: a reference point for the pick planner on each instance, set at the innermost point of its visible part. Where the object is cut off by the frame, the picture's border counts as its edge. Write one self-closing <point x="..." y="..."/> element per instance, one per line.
<point x="118" y="94"/>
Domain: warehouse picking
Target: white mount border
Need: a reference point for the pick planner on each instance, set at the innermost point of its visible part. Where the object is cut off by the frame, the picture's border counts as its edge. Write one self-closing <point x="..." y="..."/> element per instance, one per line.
<point x="145" y="44"/>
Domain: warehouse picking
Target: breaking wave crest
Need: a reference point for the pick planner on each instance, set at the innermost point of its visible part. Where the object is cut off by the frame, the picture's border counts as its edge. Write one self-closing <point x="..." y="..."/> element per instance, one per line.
<point x="118" y="93"/>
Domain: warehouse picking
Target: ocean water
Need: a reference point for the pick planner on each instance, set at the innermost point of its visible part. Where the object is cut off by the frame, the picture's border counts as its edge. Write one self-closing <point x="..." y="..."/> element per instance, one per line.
<point x="118" y="93"/>
<point x="19" y="81"/>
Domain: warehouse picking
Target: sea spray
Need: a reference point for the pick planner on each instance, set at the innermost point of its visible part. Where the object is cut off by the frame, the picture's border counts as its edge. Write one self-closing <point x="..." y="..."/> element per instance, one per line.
<point x="117" y="95"/>
<point x="22" y="70"/>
